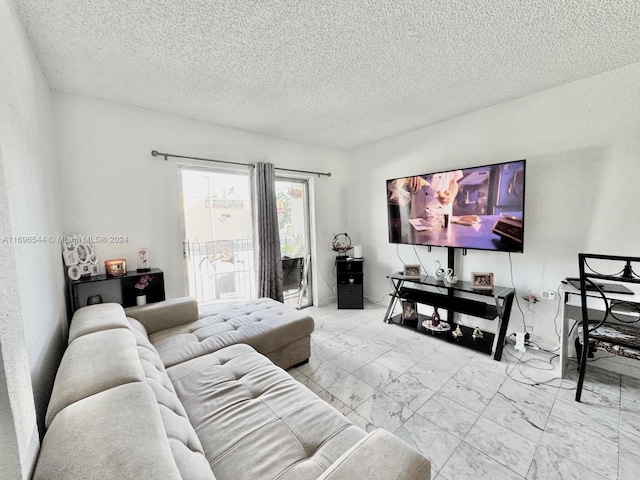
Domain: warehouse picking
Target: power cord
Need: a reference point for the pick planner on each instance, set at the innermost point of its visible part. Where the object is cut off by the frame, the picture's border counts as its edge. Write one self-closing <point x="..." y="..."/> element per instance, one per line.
<point x="398" y="254"/>
<point x="521" y="364"/>
<point x="377" y="302"/>
<point x="424" y="269"/>
<point x="515" y="292"/>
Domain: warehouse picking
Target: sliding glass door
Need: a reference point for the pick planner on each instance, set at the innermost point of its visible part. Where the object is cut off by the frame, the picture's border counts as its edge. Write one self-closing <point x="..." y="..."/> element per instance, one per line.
<point x="218" y="244"/>
<point x="293" y="222"/>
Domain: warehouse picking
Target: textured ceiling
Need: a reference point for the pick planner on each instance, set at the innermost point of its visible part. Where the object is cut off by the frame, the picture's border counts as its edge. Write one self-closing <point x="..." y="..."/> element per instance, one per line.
<point x="329" y="72"/>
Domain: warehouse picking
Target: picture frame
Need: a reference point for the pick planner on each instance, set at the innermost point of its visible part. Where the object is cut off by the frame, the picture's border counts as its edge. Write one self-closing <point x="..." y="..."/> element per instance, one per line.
<point x="482" y="280"/>
<point x="409" y="311"/>
<point x="82" y="252"/>
<point x="69" y="256"/>
<point x="412" y="271"/>
<point x="116" y="267"/>
<point x="74" y="272"/>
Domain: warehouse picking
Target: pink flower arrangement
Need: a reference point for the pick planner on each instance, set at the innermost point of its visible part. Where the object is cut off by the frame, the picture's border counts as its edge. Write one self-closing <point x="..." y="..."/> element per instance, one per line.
<point x="143" y="282"/>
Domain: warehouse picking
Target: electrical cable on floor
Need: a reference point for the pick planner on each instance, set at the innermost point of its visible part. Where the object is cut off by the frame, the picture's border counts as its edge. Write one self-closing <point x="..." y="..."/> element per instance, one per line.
<point x="377" y="301"/>
<point x="528" y="363"/>
<point x="522" y="363"/>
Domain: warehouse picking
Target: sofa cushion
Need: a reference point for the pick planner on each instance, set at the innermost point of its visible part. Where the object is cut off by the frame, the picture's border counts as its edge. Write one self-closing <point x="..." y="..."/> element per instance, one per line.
<point x="166" y="314"/>
<point x="265" y="324"/>
<point x="93" y="363"/>
<point x="185" y="444"/>
<point x="255" y="421"/>
<point x="379" y="455"/>
<point x="116" y="434"/>
<point x="116" y="352"/>
<point x="97" y="318"/>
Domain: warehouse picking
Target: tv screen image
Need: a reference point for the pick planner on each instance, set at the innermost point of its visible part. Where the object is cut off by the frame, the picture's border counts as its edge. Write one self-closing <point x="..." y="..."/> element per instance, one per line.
<point x="471" y="208"/>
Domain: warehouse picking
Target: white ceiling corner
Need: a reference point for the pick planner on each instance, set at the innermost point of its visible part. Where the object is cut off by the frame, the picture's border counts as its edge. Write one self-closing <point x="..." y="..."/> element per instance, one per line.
<point x="335" y="73"/>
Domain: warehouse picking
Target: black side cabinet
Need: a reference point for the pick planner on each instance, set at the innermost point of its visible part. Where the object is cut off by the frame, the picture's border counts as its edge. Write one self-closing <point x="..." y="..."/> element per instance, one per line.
<point x="350" y="274"/>
<point x="115" y="289"/>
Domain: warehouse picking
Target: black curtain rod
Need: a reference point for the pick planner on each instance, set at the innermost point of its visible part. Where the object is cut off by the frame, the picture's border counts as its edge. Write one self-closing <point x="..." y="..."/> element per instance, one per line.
<point x="166" y="156"/>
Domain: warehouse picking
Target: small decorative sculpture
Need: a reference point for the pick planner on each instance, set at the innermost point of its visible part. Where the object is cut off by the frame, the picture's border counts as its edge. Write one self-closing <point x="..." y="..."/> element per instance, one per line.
<point x="440" y="272"/>
<point x="457" y="332"/>
<point x="143" y="260"/>
<point x="477" y="333"/>
<point x="341" y="243"/>
<point x="450" y="279"/>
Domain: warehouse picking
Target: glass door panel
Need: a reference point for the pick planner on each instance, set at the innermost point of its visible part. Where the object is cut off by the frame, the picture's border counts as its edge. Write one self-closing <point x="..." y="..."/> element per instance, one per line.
<point x="218" y="234"/>
<point x="293" y="222"/>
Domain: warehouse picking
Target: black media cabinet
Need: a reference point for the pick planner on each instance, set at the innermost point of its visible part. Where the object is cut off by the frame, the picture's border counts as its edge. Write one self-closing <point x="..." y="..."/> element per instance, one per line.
<point x="459" y="298"/>
<point x="349" y="286"/>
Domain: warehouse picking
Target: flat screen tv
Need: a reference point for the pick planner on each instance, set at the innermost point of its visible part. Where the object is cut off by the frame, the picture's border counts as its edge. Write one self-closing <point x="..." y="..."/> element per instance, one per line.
<point x="471" y="208"/>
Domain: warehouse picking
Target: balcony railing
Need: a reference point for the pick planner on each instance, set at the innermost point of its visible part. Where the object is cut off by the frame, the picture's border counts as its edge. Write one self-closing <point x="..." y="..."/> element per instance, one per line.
<point x="224" y="270"/>
<point x="221" y="269"/>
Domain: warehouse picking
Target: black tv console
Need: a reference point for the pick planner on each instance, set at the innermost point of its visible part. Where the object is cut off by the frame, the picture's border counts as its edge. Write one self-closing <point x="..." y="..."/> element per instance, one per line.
<point x="461" y="298"/>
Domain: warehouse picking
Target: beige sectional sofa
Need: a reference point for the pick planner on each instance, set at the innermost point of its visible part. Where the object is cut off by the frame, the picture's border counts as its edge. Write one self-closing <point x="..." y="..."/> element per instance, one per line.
<point x="155" y="398"/>
<point x="180" y="329"/>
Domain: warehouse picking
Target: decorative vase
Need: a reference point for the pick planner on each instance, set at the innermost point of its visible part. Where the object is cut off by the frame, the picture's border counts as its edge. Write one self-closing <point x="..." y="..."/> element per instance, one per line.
<point x="94" y="299"/>
<point x="435" y="318"/>
<point x="141" y="300"/>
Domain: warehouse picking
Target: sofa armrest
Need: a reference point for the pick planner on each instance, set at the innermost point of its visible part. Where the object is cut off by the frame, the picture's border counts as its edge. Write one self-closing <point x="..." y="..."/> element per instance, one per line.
<point x="166" y="314"/>
<point x="379" y="456"/>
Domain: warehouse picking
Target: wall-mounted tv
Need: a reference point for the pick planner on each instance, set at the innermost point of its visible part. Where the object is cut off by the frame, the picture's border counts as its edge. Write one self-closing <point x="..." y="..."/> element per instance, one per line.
<point x="470" y="208"/>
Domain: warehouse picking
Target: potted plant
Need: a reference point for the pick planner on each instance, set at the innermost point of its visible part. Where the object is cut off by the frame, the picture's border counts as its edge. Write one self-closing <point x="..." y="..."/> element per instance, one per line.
<point x="143" y="282"/>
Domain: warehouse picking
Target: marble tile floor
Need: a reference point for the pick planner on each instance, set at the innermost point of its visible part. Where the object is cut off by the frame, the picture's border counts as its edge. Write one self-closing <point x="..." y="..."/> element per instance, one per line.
<point x="473" y="417"/>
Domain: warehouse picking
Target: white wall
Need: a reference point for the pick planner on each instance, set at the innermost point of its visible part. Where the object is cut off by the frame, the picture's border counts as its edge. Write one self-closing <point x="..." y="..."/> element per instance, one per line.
<point x="581" y="142"/>
<point x="113" y="186"/>
<point x="32" y="317"/>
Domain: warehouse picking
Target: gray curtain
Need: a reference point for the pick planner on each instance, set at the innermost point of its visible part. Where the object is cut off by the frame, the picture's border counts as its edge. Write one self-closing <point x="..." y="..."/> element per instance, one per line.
<point x="267" y="235"/>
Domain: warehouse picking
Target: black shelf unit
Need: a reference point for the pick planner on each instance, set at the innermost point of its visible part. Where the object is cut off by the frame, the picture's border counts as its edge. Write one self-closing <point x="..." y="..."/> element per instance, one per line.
<point x="494" y="304"/>
<point x="349" y="279"/>
<point x="119" y="289"/>
<point x="484" y="344"/>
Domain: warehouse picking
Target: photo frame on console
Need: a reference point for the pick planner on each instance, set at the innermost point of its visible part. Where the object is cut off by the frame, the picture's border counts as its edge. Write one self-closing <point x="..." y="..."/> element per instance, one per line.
<point x="482" y="280"/>
<point x="409" y="311"/>
<point x="69" y="256"/>
<point x="412" y="271"/>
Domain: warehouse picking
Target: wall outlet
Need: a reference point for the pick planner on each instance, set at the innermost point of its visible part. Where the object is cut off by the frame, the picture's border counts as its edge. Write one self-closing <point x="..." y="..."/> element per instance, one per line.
<point x="547" y="294"/>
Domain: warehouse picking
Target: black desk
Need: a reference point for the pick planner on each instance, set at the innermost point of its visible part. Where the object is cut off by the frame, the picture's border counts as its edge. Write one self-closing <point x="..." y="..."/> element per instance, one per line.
<point x="460" y="298"/>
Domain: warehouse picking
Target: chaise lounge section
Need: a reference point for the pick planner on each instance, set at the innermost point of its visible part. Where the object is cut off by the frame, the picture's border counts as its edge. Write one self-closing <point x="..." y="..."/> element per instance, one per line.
<point x="281" y="333"/>
<point x="117" y="411"/>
